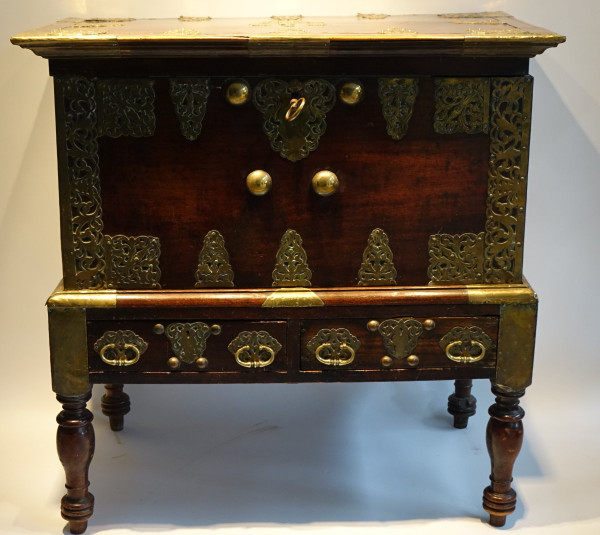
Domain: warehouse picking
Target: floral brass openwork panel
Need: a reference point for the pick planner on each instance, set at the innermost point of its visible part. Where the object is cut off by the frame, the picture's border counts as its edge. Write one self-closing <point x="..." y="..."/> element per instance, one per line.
<point x="80" y="183"/>
<point x="397" y="97"/>
<point x="334" y="347"/>
<point x="294" y="136"/>
<point x="120" y="348"/>
<point x="254" y="349"/>
<point x="126" y="108"/>
<point x="456" y="258"/>
<point x="132" y="261"/>
<point x="291" y="265"/>
<point x="466" y="344"/>
<point x="214" y="269"/>
<point x="400" y="336"/>
<point x="461" y="105"/>
<point x="188" y="340"/>
<point x="507" y="181"/>
<point x="189" y="96"/>
<point x="377" y="268"/>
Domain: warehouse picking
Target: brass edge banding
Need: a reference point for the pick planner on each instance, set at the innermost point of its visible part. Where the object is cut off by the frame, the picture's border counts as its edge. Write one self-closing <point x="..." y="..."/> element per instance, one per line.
<point x="293" y="297"/>
<point x="500" y="296"/>
<point x="83" y="299"/>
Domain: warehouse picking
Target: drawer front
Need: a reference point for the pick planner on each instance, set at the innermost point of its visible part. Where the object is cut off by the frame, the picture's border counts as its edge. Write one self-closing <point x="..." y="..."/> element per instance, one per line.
<point x="195" y="345"/>
<point x="399" y="343"/>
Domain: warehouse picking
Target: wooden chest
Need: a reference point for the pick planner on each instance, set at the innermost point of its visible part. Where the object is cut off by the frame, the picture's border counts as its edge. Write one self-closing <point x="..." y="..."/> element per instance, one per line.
<point x="288" y="200"/>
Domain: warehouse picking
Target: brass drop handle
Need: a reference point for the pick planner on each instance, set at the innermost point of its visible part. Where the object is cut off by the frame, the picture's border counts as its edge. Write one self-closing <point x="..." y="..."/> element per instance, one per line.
<point x="121" y="359"/>
<point x="244" y="357"/>
<point x="465" y="356"/>
<point x="296" y="106"/>
<point x="335" y="359"/>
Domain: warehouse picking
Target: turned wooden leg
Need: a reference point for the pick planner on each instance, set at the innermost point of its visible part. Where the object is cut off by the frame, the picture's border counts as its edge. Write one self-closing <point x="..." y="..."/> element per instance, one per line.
<point x="462" y="404"/>
<point x="75" y="444"/>
<point x="504" y="438"/>
<point x="115" y="404"/>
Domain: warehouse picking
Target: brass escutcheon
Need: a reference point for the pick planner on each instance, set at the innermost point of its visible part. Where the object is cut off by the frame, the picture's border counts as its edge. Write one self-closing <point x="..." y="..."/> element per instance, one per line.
<point x="296" y="106"/>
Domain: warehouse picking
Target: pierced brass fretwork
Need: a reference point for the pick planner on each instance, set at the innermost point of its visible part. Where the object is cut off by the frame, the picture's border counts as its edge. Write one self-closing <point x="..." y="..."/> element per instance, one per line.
<point x="294" y="139"/>
<point x="291" y="266"/>
<point x="189" y="96"/>
<point x="126" y="107"/>
<point x="461" y="105"/>
<point x="377" y="268"/>
<point x="456" y="258"/>
<point x="214" y="269"/>
<point x="397" y="97"/>
<point x="132" y="261"/>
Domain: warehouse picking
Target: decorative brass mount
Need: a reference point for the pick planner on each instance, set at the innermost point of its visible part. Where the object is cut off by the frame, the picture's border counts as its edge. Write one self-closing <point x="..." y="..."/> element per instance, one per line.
<point x="294" y="114"/>
<point x="466" y="344"/>
<point x="120" y="348"/>
<point x="291" y="265"/>
<point x="214" y="269"/>
<point x="400" y="336"/>
<point x="188" y="340"/>
<point x="254" y="349"/>
<point x="334" y="347"/>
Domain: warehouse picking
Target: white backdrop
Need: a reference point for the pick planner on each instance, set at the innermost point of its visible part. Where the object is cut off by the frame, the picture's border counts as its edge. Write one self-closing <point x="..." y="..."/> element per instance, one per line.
<point x="377" y="458"/>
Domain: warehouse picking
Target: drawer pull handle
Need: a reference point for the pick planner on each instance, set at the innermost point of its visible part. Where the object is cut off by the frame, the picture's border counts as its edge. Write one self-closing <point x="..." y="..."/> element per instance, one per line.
<point x="121" y="354"/>
<point x="120" y="348"/>
<point x="334" y="347"/>
<point x="254" y="349"/>
<point x="296" y="106"/>
<point x="466" y="344"/>
<point x="465" y="352"/>
<point x="335" y="359"/>
<point x="253" y="359"/>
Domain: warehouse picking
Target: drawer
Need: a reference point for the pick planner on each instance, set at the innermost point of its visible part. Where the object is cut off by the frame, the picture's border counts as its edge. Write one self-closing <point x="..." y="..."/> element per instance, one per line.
<point x="195" y="345"/>
<point x="399" y="343"/>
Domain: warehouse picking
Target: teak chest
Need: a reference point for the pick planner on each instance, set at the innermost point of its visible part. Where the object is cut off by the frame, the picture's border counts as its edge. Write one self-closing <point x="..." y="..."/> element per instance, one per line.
<point x="291" y="199"/>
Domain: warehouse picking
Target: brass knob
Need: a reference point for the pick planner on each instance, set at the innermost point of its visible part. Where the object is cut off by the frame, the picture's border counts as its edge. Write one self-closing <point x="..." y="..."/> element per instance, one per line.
<point x="373" y="326"/>
<point x="351" y="93"/>
<point x="174" y="363"/>
<point x="386" y="361"/>
<point x="238" y="93"/>
<point x="159" y="328"/>
<point x="429" y="325"/>
<point x="325" y="183"/>
<point x="215" y="329"/>
<point x="259" y="182"/>
<point x="412" y="361"/>
<point x="202" y="363"/>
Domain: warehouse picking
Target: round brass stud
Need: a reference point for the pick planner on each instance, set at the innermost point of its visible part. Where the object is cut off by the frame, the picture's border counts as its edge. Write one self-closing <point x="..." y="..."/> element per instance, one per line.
<point x="202" y="363"/>
<point x="412" y="361"/>
<point x="259" y="182"/>
<point x="325" y="183"/>
<point x="159" y="328"/>
<point x="372" y="326"/>
<point x="429" y="325"/>
<point x="238" y="93"/>
<point x="174" y="363"/>
<point x="351" y="93"/>
<point x="215" y="329"/>
<point x="386" y="361"/>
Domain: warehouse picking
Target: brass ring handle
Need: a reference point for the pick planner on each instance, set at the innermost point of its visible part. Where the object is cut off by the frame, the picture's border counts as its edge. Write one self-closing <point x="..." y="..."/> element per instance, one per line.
<point x="122" y="360"/>
<point x="255" y="361"/>
<point x="296" y="106"/>
<point x="465" y="357"/>
<point x="335" y="361"/>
